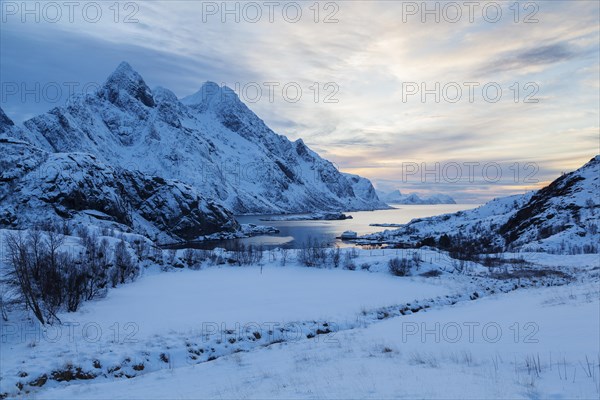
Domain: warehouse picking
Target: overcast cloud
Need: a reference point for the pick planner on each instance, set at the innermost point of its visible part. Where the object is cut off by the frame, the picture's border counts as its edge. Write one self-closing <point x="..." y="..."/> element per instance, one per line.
<point x="367" y="61"/>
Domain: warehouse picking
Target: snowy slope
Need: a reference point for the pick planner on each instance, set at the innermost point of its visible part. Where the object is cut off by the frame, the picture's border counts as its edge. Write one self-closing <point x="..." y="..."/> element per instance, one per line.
<point x="562" y="218"/>
<point x="395" y="197"/>
<point x="37" y="187"/>
<point x="209" y="140"/>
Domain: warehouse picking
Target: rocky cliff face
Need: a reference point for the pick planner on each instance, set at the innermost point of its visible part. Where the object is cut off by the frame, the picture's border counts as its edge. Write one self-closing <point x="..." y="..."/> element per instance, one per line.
<point x="566" y="209"/>
<point x="209" y="140"/>
<point x="37" y="187"/>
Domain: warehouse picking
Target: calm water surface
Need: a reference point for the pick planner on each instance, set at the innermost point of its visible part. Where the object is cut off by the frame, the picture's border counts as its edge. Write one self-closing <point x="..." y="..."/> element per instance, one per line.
<point x="294" y="233"/>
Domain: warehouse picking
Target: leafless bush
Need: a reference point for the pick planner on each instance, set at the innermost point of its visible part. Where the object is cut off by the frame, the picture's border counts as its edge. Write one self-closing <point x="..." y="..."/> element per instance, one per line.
<point x="47" y="278"/>
<point x="335" y="256"/>
<point x="461" y="266"/>
<point x="313" y="253"/>
<point x="125" y="268"/>
<point x="247" y="255"/>
<point x="400" y="266"/>
<point x="416" y="258"/>
<point x="195" y="257"/>
<point x="348" y="261"/>
<point x="156" y="255"/>
<point x="284" y="255"/>
<point x="171" y="257"/>
<point x="140" y="247"/>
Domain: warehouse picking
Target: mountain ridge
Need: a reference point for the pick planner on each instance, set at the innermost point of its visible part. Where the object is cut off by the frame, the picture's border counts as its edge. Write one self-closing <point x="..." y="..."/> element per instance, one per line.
<point x="559" y="218"/>
<point x="396" y="197"/>
<point x="39" y="187"/>
<point x="220" y="147"/>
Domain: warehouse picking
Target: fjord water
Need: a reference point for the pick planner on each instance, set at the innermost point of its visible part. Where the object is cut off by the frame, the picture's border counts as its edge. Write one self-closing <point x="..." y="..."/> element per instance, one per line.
<point x="293" y="234"/>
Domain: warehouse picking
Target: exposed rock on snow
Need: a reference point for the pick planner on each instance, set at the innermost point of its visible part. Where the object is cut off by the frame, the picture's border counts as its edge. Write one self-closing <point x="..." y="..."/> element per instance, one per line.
<point x="209" y="140"/>
<point x="38" y="187"/>
<point x="561" y="218"/>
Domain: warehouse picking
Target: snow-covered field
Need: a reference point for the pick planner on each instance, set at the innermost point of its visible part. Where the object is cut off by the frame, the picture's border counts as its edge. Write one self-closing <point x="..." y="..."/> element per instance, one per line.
<point x="183" y="300"/>
<point x="394" y="359"/>
<point x="273" y="331"/>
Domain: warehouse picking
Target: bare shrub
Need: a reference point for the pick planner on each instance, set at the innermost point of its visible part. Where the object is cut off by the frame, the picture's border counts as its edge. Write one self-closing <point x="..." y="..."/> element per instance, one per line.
<point x="247" y="255"/>
<point x="348" y="261"/>
<point x="125" y="268"/>
<point x="335" y="256"/>
<point x="400" y="266"/>
<point x="313" y="253"/>
<point x="284" y="255"/>
<point x="48" y="278"/>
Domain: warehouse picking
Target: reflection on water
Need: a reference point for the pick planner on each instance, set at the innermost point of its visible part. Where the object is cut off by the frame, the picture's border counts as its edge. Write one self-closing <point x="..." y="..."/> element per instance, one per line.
<point x="292" y="234"/>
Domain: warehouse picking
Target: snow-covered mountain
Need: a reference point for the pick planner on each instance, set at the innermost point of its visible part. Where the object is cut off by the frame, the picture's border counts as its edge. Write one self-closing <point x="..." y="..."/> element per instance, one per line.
<point x="395" y="197"/>
<point x="563" y="217"/>
<point x="40" y="188"/>
<point x="209" y="140"/>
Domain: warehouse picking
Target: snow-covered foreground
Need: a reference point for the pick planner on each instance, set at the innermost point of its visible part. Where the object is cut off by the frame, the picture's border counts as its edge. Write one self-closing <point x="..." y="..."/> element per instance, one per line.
<point x="408" y="357"/>
<point x="186" y="313"/>
<point x="184" y="300"/>
<point x="290" y="331"/>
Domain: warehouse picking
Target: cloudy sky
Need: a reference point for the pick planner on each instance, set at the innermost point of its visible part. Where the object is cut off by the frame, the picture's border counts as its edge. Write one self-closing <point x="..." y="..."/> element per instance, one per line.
<point x="473" y="100"/>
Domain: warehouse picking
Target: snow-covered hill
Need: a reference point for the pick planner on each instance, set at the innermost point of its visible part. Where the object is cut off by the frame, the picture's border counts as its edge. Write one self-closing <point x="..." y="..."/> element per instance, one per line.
<point x="395" y="197"/>
<point x="561" y="218"/>
<point x="209" y="140"/>
<point x="38" y="188"/>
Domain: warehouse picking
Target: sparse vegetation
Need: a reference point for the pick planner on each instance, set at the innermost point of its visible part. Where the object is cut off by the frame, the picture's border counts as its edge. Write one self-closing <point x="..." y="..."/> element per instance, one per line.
<point x="401" y="266"/>
<point x="313" y="253"/>
<point x="47" y="276"/>
<point x="247" y="254"/>
<point x="348" y="261"/>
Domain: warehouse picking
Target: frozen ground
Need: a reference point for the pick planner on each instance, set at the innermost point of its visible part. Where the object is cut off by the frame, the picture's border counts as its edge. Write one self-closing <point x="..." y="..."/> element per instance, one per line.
<point x="274" y="331"/>
<point x="183" y="300"/>
<point x="557" y="327"/>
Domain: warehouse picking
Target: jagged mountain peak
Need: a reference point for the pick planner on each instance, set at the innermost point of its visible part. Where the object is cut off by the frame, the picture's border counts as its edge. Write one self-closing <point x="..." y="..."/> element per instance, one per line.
<point x="211" y="96"/>
<point x="210" y="140"/>
<point x="162" y="94"/>
<point x="4" y="120"/>
<point x="225" y="104"/>
<point x="126" y="81"/>
<point x="124" y="72"/>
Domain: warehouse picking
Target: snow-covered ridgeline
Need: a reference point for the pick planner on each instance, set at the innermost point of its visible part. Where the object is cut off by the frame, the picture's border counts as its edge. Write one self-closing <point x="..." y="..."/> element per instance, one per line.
<point x="561" y="218"/>
<point x="396" y="197"/>
<point x="210" y="140"/>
